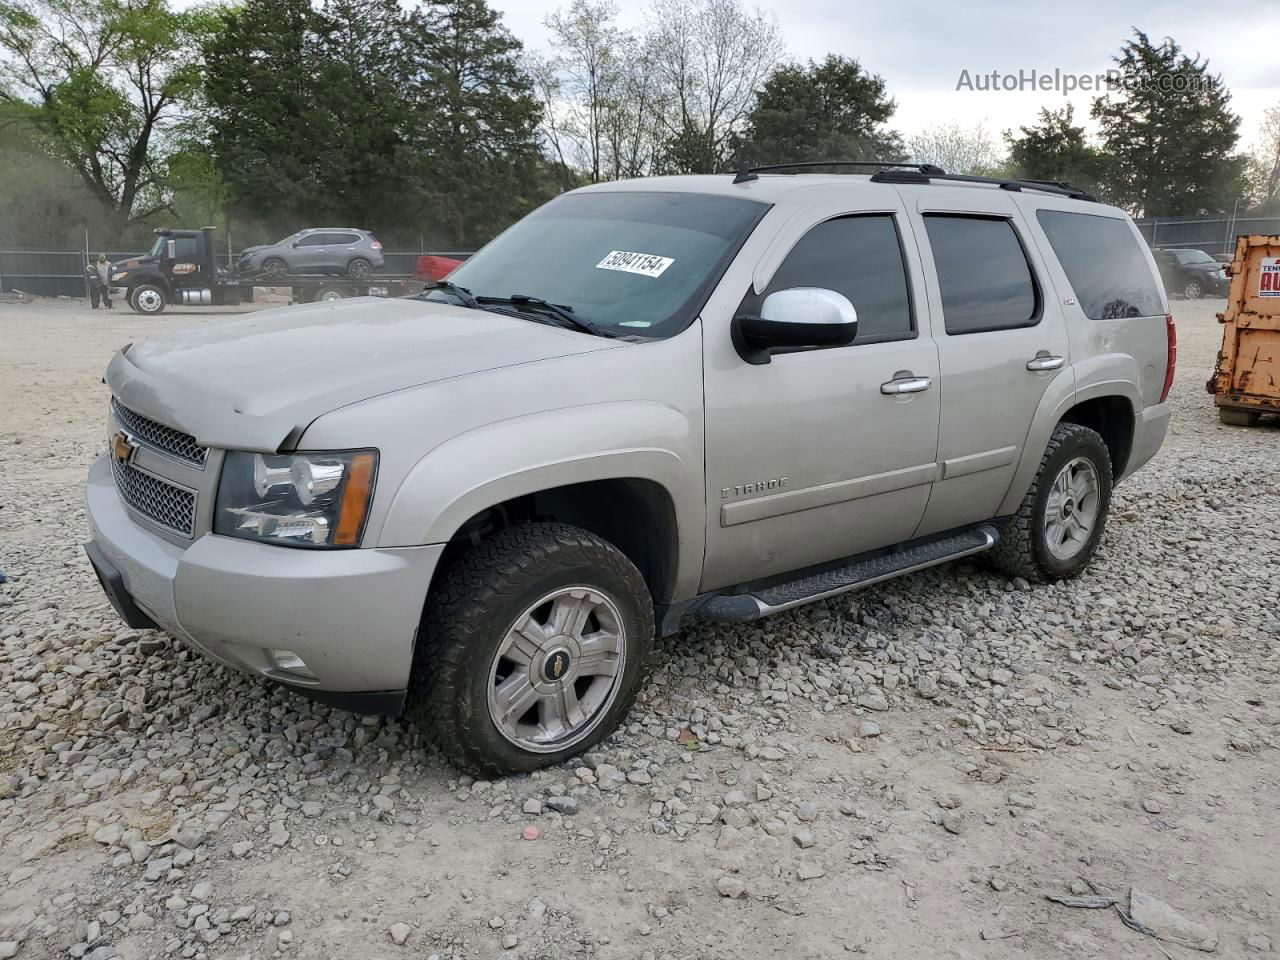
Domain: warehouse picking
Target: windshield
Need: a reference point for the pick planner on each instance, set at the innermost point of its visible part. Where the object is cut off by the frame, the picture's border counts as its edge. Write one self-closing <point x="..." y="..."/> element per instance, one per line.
<point x="157" y="248"/>
<point x="630" y="262"/>
<point x="1194" y="256"/>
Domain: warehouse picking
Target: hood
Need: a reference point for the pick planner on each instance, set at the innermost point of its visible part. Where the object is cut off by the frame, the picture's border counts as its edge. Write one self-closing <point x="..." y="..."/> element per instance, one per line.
<point x="247" y="251"/>
<point x="133" y="263"/>
<point x="257" y="381"/>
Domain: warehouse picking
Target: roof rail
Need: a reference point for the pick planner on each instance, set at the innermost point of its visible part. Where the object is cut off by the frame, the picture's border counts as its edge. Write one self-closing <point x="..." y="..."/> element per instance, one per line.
<point x="1056" y="187"/>
<point x="745" y="172"/>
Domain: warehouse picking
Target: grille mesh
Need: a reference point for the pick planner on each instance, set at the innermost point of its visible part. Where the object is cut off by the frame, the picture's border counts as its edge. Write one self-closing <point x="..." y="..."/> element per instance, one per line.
<point x="166" y="439"/>
<point x="168" y="505"/>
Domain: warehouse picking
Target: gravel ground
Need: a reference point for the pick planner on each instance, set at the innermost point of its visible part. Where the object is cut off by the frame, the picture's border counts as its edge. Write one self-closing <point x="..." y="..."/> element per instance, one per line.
<point x="909" y="771"/>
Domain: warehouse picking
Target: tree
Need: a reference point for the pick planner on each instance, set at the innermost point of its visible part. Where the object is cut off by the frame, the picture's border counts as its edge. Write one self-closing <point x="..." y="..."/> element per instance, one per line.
<point x="828" y="110"/>
<point x="708" y="58"/>
<point x="305" y="109"/>
<point x="957" y="149"/>
<point x="106" y="80"/>
<point x="599" y="95"/>
<point x="475" y="120"/>
<point x="1264" y="160"/>
<point x="1055" y="148"/>
<point x="1167" y="133"/>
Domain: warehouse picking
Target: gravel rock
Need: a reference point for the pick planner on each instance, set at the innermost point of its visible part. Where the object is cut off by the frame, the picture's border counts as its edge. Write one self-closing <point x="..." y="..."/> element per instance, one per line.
<point x="1168" y="924"/>
<point x="400" y="933"/>
<point x="731" y="887"/>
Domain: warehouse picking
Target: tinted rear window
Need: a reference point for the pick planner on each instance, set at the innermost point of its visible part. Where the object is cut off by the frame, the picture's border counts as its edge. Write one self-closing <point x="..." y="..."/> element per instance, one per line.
<point x="1103" y="260"/>
<point x="983" y="274"/>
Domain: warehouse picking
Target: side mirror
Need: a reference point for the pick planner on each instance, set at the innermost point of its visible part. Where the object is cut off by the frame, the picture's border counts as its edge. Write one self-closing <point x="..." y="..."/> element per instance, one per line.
<point x="170" y="250"/>
<point x="800" y="317"/>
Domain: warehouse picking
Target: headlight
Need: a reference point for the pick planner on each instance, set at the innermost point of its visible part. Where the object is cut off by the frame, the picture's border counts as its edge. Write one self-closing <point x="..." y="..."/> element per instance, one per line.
<point x="298" y="499"/>
<point x="120" y="275"/>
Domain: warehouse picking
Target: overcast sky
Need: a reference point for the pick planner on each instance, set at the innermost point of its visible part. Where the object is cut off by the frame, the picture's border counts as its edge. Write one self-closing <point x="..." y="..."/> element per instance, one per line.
<point x="921" y="47"/>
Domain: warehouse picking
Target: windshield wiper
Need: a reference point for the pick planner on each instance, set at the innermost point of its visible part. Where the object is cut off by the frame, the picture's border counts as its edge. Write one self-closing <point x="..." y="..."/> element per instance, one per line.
<point x="462" y="294"/>
<point x="563" y="313"/>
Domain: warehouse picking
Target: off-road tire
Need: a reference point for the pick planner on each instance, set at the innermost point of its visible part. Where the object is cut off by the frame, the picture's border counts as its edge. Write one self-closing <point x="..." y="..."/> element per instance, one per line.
<point x="1238" y="418"/>
<point x="472" y="605"/>
<point x="359" y="269"/>
<point x="1021" y="551"/>
<point x="147" y="299"/>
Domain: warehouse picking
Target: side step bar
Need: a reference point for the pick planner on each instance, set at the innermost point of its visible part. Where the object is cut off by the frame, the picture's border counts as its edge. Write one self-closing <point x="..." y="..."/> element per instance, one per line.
<point x="783" y="596"/>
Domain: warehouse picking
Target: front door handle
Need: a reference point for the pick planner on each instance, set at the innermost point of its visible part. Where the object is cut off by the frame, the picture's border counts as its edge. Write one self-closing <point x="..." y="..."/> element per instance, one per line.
<point x="1043" y="361"/>
<point x="907" y="384"/>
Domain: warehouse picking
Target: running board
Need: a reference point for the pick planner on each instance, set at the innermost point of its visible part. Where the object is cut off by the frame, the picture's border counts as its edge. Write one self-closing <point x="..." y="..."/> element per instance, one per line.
<point x="855" y="576"/>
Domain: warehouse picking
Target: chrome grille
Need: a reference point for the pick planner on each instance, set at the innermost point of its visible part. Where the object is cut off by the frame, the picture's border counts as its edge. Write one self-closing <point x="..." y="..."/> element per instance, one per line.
<point x="153" y="434"/>
<point x="166" y="503"/>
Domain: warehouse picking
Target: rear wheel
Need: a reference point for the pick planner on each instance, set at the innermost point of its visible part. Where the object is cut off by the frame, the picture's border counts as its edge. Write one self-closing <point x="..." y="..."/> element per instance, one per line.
<point x="330" y="293"/>
<point x="147" y="298"/>
<point x="1059" y="524"/>
<point x="358" y="269"/>
<point x="1238" y="418"/>
<point x="1193" y="290"/>
<point x="533" y="648"/>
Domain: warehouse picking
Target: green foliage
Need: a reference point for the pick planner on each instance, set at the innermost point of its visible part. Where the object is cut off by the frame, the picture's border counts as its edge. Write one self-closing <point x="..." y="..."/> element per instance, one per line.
<point x="104" y="79"/>
<point x="356" y="112"/>
<point x="828" y="110"/>
<point x="1055" y="148"/>
<point x="1169" y="134"/>
<point x="474" y="121"/>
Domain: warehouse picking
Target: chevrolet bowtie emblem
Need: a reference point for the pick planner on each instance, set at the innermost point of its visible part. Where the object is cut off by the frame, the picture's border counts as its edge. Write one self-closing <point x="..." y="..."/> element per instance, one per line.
<point x="122" y="447"/>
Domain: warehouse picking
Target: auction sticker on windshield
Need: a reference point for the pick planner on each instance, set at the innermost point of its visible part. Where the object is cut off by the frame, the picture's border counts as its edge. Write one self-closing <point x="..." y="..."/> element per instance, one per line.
<point x="645" y="264"/>
<point x="1269" y="277"/>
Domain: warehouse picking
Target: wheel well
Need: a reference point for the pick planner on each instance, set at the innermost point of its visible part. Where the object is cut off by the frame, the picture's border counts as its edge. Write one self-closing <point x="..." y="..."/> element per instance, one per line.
<point x="637" y="516"/>
<point x="1112" y="419"/>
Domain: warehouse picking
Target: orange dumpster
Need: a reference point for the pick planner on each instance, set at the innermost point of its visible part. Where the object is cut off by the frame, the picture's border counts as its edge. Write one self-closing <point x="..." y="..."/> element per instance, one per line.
<point x="1246" y="383"/>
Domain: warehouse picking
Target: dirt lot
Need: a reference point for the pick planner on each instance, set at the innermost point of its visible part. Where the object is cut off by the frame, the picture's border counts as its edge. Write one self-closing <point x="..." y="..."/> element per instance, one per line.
<point x="904" y="772"/>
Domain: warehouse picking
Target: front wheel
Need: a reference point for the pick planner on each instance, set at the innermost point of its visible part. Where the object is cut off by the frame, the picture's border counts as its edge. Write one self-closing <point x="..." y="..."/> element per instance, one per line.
<point x="1059" y="523"/>
<point x="532" y="650"/>
<point x="147" y="298"/>
<point x="1193" y="290"/>
<point x="274" y="268"/>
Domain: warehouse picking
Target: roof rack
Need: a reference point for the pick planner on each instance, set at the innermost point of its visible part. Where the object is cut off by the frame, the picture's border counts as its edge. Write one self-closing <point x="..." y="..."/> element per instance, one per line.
<point x="1056" y="187"/>
<point x="745" y="172"/>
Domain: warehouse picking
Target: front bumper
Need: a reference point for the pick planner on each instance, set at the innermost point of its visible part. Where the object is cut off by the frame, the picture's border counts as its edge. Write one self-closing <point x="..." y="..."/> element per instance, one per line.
<point x="351" y="615"/>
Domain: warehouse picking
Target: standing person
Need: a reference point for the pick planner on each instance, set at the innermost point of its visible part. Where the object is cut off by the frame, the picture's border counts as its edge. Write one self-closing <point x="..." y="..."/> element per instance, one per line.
<point x="100" y="282"/>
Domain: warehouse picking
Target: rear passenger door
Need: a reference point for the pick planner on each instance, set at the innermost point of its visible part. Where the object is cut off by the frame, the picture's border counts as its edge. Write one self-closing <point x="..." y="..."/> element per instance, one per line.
<point x="339" y="250"/>
<point x="1001" y="343"/>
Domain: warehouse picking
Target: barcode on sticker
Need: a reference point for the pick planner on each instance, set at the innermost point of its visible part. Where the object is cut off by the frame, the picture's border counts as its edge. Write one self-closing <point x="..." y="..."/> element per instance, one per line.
<point x="645" y="264"/>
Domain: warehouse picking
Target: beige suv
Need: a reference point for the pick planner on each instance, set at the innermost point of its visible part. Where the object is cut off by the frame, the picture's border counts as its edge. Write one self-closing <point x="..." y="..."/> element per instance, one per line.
<point x="650" y="401"/>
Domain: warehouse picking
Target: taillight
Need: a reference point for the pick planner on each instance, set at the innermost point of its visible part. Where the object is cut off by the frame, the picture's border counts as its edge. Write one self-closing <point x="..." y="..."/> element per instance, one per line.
<point x="375" y="245"/>
<point x="1171" y="337"/>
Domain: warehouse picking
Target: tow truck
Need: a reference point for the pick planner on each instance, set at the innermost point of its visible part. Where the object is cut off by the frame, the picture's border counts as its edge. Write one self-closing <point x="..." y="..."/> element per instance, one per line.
<point x="181" y="269"/>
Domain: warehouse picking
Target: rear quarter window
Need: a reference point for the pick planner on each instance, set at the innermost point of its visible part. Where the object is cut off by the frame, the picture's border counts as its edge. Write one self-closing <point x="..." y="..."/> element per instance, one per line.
<point x="1104" y="263"/>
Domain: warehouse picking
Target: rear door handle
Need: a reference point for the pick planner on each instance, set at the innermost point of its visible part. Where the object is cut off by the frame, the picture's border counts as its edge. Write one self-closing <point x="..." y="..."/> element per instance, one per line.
<point x="1039" y="363"/>
<point x="906" y="385"/>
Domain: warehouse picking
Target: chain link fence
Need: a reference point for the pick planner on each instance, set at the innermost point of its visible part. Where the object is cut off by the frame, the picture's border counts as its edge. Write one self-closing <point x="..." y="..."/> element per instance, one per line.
<point x="65" y="273"/>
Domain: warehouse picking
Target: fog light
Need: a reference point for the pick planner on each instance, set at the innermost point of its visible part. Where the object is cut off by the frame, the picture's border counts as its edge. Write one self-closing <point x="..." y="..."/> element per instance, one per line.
<point x="289" y="662"/>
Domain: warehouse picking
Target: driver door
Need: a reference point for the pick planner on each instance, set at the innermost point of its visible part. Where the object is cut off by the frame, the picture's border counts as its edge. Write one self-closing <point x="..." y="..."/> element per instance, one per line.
<point x="816" y="455"/>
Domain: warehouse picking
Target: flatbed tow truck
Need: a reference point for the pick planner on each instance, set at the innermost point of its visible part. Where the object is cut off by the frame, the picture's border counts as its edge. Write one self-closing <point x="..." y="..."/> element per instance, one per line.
<point x="181" y="269"/>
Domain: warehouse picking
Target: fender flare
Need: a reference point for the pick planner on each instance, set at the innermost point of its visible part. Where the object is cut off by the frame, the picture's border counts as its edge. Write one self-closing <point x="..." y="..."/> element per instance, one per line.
<point x="523" y="455"/>
<point x="1106" y="375"/>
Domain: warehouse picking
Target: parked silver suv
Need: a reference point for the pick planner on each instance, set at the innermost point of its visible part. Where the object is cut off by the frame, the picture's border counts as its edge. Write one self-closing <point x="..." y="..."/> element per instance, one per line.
<point x="339" y="250"/>
<point x="647" y="402"/>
